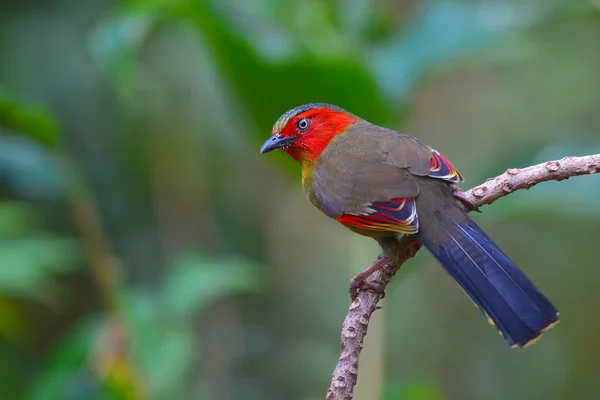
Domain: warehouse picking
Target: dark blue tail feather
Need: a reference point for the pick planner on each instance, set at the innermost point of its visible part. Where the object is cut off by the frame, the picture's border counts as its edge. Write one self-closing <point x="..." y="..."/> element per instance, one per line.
<point x="494" y="283"/>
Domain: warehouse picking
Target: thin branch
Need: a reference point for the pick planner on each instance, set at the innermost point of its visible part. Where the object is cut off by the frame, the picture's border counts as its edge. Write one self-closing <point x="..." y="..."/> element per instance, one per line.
<point x="354" y="328"/>
<point x="112" y="342"/>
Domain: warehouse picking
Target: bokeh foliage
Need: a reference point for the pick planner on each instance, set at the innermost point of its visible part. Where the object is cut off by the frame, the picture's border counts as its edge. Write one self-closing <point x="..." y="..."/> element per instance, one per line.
<point x="148" y="251"/>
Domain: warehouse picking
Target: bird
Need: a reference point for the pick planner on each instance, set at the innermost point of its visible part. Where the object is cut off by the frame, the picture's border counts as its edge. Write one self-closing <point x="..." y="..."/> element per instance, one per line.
<point x="384" y="184"/>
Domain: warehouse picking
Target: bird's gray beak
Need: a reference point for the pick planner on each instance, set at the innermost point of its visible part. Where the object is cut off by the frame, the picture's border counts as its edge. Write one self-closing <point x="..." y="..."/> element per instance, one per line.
<point x="276" y="142"/>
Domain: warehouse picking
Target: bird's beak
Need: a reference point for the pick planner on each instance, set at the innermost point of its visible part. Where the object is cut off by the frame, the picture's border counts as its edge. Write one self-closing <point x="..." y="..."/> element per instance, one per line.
<point x="276" y="142"/>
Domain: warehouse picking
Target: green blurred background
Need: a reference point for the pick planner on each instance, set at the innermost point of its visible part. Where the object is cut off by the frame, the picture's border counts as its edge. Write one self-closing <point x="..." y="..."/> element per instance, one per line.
<point x="147" y="250"/>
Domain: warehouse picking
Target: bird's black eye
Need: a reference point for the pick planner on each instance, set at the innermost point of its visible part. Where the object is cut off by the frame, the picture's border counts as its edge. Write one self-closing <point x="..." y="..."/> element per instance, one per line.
<point x="303" y="124"/>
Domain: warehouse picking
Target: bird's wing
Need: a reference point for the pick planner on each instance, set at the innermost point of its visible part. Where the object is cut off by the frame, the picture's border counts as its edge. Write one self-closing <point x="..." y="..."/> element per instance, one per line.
<point x="365" y="178"/>
<point x="397" y="215"/>
<point x="407" y="152"/>
<point x="441" y="168"/>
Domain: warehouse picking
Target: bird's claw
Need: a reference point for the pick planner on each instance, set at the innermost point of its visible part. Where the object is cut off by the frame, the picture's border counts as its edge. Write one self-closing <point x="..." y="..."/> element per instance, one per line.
<point x="466" y="202"/>
<point x="357" y="286"/>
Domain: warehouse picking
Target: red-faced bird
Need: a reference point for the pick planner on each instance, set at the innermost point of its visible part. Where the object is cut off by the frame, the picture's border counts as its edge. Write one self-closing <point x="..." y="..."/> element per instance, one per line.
<point x="383" y="184"/>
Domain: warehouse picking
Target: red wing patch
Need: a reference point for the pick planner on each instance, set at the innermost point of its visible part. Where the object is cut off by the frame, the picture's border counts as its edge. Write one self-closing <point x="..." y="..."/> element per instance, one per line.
<point x="441" y="168"/>
<point x="396" y="215"/>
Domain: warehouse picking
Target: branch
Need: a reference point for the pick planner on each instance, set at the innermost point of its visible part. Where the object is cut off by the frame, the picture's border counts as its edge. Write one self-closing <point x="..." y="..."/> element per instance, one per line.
<point x="354" y="328"/>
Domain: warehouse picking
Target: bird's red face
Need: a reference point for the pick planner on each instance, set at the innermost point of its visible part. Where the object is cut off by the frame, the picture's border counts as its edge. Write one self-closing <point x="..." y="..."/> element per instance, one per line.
<point x="305" y="131"/>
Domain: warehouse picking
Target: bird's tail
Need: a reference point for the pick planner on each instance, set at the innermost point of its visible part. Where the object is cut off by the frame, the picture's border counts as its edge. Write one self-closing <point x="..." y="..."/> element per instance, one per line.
<point x="496" y="285"/>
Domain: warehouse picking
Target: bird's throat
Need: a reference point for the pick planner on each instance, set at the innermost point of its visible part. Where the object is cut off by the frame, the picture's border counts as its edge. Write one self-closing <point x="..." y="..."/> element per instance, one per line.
<point x="307" y="170"/>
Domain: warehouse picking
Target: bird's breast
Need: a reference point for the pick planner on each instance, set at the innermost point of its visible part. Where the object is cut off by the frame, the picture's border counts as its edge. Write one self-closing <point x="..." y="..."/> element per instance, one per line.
<point x="307" y="171"/>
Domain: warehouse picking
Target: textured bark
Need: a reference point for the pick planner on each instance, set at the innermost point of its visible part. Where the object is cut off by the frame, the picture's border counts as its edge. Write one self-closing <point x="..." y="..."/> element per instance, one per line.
<point x="354" y="328"/>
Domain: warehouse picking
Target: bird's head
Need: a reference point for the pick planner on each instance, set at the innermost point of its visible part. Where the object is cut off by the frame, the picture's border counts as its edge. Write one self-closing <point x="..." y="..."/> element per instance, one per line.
<point x="305" y="131"/>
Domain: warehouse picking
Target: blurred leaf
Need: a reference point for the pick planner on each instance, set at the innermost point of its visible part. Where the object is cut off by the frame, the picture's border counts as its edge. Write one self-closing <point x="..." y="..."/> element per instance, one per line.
<point x="28" y="168"/>
<point x="27" y="119"/>
<point x="412" y="391"/>
<point x="17" y="218"/>
<point x="281" y="86"/>
<point x="173" y="357"/>
<point x="444" y="31"/>
<point x="56" y="385"/>
<point x="65" y="375"/>
<point x="447" y="31"/>
<point x="92" y="362"/>
<point x="312" y="27"/>
<point x="12" y="320"/>
<point x="26" y="264"/>
<point x="116" y="41"/>
<point x="273" y="86"/>
<point x="196" y="280"/>
<point x="113" y="362"/>
<point x="163" y="347"/>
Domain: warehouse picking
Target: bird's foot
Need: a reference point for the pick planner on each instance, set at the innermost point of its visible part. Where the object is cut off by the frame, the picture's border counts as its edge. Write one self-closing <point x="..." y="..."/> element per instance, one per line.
<point x="466" y="202"/>
<point x="365" y="286"/>
<point x="358" y="283"/>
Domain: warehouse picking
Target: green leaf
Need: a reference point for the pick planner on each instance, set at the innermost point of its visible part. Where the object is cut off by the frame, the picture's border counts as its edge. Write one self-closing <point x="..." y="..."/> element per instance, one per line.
<point x="267" y="86"/>
<point x="18" y="218"/>
<point x="196" y="280"/>
<point x="28" y="119"/>
<point x="63" y="376"/>
<point x="116" y="41"/>
<point x="164" y="347"/>
<point x="283" y="85"/>
<point x="264" y="85"/>
<point x="444" y="31"/>
<point x="28" y="168"/>
<point x="27" y="264"/>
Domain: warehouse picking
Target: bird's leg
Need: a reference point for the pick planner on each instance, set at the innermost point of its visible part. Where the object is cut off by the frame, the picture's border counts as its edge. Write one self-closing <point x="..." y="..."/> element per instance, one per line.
<point x="460" y="195"/>
<point x="358" y="282"/>
<point x="391" y="250"/>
